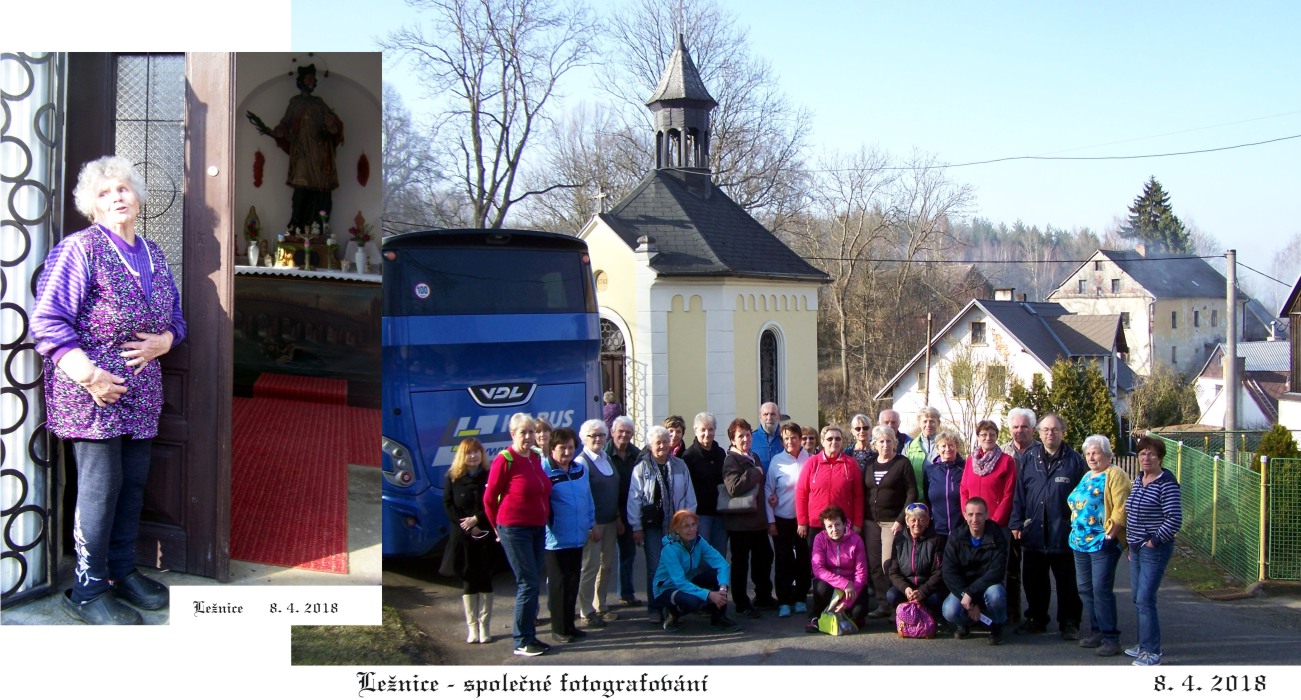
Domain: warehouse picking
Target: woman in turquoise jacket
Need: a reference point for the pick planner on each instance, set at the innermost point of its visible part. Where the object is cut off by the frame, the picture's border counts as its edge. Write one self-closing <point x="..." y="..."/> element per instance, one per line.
<point x="691" y="576"/>
<point x="571" y="524"/>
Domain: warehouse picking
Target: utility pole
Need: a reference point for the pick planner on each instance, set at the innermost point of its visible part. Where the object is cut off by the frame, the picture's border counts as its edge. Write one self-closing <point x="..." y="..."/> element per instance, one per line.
<point x="1230" y="359"/>
<point x="926" y="392"/>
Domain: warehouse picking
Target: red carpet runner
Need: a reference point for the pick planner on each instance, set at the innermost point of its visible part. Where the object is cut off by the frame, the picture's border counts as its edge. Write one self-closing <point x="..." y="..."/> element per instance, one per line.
<point x="289" y="493"/>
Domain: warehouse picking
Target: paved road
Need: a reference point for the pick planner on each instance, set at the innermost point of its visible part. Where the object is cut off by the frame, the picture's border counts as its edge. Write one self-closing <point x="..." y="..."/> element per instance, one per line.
<point x="1196" y="631"/>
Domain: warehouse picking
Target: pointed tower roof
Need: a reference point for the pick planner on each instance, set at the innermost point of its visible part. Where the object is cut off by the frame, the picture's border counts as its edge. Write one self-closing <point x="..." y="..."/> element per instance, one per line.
<point x="681" y="79"/>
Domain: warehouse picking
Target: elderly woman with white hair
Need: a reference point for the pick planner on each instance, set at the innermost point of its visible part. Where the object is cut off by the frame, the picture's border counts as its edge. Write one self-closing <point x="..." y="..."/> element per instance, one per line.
<point x="599" y="559"/>
<point x="661" y="486"/>
<point x="1097" y="539"/>
<point x="888" y="486"/>
<point x="106" y="309"/>
<point x="517" y="502"/>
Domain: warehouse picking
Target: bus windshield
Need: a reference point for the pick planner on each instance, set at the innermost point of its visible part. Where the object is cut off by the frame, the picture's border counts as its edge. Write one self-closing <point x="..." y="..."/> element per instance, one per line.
<point x="486" y="280"/>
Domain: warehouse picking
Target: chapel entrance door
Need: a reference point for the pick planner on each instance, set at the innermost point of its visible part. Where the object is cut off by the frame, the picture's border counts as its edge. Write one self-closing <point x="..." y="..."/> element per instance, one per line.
<point x="172" y="115"/>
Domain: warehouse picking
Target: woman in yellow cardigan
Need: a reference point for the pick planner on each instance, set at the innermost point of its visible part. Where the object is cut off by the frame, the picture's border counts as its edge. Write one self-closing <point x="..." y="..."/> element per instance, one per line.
<point x="1097" y="538"/>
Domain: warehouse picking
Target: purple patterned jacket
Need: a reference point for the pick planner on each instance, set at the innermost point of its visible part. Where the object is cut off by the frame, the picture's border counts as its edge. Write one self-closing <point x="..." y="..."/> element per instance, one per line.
<point x="110" y="312"/>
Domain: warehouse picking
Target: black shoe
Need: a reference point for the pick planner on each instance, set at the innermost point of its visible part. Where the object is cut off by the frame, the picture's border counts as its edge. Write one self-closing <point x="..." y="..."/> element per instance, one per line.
<point x="879" y="612"/>
<point x="723" y="624"/>
<point x="766" y="604"/>
<point x="995" y="634"/>
<point x="576" y="633"/>
<point x="532" y="649"/>
<point x="671" y="623"/>
<point x="104" y="609"/>
<point x="962" y="632"/>
<point x="1031" y="627"/>
<point x="140" y="591"/>
<point x="561" y="638"/>
<point x="1070" y="631"/>
<point x="632" y="601"/>
<point x="750" y="613"/>
<point x="656" y="618"/>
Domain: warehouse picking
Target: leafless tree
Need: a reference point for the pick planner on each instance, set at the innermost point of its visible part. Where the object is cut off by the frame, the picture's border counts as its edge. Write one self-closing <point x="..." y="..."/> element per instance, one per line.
<point x="757" y="138"/>
<point x="415" y="194"/>
<point x="494" y="66"/>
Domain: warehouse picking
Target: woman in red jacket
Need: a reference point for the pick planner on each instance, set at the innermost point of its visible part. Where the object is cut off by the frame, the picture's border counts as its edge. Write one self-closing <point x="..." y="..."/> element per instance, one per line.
<point x="517" y="502"/>
<point x="990" y="473"/>
<point x="830" y="477"/>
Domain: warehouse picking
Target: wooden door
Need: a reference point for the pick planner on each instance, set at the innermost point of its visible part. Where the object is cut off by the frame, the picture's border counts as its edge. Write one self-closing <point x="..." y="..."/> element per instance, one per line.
<point x="186" y="521"/>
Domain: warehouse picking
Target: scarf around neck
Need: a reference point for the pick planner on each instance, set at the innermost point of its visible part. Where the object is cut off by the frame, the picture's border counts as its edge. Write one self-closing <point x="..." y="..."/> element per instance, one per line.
<point x="983" y="463"/>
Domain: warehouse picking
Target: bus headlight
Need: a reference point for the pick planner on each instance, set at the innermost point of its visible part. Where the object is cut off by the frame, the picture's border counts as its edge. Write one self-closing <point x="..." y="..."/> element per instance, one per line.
<point x="397" y="467"/>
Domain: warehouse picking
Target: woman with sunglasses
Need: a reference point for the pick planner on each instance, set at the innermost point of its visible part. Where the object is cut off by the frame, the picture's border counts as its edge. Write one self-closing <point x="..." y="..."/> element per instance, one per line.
<point x="794" y="569"/>
<point x="830" y="477"/>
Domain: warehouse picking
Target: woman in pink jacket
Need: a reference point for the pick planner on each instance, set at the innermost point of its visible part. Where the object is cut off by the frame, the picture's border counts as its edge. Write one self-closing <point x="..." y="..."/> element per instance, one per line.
<point x="830" y="477"/>
<point x="991" y="474"/>
<point x="839" y="563"/>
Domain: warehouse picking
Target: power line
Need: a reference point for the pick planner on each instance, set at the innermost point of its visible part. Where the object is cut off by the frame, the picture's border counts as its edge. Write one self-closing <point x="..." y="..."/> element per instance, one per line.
<point x="1009" y="262"/>
<point x="1273" y="279"/>
<point x="1125" y="157"/>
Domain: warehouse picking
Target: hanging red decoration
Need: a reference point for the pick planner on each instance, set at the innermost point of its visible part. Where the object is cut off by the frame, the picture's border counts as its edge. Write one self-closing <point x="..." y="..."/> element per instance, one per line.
<point x="363" y="170"/>
<point x="259" y="162"/>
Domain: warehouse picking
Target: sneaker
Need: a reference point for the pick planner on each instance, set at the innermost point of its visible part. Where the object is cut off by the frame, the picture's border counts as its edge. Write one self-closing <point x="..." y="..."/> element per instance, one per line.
<point x="1070" y="631"/>
<point x="1108" y="648"/>
<point x="995" y="634"/>
<point x="1092" y="641"/>
<point x="544" y="645"/>
<point x="671" y="623"/>
<point x="812" y="626"/>
<point x="801" y="607"/>
<point x="633" y="601"/>
<point x="784" y="611"/>
<point x="656" y="618"/>
<point x="530" y="650"/>
<point x="766" y="603"/>
<point x="723" y="624"/>
<point x="593" y="621"/>
<point x="562" y="638"/>
<point x="962" y="632"/>
<point x="1146" y="659"/>
<point x="1134" y="651"/>
<point x="608" y="616"/>
<point x="1031" y="627"/>
<point x="752" y="613"/>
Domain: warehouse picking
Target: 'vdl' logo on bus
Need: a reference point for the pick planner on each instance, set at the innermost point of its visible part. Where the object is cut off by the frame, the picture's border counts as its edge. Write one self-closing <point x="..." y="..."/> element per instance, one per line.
<point x="499" y="395"/>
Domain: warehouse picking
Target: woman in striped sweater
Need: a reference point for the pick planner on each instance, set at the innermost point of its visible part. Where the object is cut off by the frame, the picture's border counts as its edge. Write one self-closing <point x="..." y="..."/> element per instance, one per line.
<point x="1152" y="517"/>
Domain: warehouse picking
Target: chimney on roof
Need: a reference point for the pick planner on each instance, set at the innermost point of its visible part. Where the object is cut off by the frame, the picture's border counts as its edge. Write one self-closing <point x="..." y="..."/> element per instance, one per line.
<point x="646" y="244"/>
<point x="1020" y="297"/>
<point x="1005" y="294"/>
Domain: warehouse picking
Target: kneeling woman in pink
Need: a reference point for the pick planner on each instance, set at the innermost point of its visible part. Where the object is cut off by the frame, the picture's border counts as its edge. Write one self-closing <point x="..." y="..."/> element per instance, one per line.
<point x="839" y="563"/>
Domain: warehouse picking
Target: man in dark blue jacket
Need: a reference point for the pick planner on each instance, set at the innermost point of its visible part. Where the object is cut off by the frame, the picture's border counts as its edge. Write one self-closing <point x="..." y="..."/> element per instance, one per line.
<point x="1041" y="520"/>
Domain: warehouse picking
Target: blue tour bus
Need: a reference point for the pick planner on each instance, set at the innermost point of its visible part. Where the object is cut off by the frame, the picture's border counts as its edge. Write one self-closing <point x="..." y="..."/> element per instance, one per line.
<point x="477" y="325"/>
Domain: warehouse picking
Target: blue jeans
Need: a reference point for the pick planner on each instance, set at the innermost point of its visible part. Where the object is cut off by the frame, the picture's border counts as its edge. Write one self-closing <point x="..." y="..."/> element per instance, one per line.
<point x="1146" y="568"/>
<point x="627" y="559"/>
<point x="681" y="603"/>
<point x="525" y="547"/>
<point x="994" y="606"/>
<point x="714" y="531"/>
<point x="111" y="476"/>
<point x="653" y="541"/>
<point x="933" y="602"/>
<point x="1095" y="578"/>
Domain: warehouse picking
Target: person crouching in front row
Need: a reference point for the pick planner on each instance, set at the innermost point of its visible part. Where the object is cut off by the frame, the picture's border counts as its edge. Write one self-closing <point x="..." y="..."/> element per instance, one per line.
<point x="691" y="576"/>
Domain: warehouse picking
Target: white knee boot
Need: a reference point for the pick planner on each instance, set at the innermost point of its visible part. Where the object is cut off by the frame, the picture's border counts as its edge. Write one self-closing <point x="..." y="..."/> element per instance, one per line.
<point x="485" y="618"/>
<point x="471" y="603"/>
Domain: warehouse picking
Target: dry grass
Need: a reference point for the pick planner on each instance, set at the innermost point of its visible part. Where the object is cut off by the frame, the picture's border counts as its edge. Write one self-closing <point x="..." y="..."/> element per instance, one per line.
<point x="392" y="643"/>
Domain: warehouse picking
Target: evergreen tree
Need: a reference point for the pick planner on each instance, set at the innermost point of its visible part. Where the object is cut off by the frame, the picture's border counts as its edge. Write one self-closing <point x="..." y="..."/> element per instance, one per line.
<point x="1100" y="418"/>
<point x="1153" y="222"/>
<point x="1163" y="399"/>
<point x="1067" y="398"/>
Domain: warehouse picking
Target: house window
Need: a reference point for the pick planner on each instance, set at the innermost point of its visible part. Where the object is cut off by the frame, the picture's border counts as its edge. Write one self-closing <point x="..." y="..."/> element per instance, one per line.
<point x="768" y="367"/>
<point x="1197" y="318"/>
<point x="1124" y="319"/>
<point x="1174" y="355"/>
<point x="977" y="332"/>
<point x="996" y="380"/>
<point x="1174" y="319"/>
<point x="1081" y="286"/>
<point x="921" y="380"/>
<point x="1097" y="265"/>
<point x="1215" y="317"/>
<point x="1115" y="286"/>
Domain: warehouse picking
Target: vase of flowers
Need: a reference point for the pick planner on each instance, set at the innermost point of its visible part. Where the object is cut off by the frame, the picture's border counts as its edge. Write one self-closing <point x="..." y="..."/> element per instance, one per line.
<point x="253" y="232"/>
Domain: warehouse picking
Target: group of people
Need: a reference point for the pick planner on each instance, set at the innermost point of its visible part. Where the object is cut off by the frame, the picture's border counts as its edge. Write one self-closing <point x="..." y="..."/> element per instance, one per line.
<point x="886" y="520"/>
